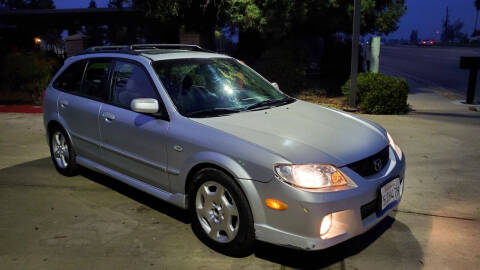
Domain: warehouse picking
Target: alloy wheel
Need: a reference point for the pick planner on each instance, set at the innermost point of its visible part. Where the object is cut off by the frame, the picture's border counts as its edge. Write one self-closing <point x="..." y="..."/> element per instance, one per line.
<point x="217" y="212"/>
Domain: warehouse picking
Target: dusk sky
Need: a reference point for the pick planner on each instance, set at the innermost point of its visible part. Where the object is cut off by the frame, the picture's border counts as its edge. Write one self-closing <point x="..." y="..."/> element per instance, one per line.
<point x="424" y="15"/>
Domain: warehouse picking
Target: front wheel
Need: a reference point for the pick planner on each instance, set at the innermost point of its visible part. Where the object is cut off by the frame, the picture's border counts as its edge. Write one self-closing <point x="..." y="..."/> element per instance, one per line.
<point x="220" y="214"/>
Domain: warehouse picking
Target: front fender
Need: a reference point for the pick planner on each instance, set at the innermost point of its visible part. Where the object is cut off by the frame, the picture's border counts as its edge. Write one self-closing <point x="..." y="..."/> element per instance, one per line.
<point x="233" y="167"/>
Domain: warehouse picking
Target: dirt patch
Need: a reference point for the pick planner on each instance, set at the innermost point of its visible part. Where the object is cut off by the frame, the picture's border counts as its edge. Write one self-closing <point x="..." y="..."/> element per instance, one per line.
<point x="320" y="97"/>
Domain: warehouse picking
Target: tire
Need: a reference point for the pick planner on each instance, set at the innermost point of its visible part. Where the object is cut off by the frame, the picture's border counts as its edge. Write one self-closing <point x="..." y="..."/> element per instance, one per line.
<point x="221" y="220"/>
<point x="62" y="152"/>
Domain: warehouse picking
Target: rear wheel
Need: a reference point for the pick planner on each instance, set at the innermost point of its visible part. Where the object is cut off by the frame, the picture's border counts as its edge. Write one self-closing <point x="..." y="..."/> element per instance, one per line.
<point x="62" y="153"/>
<point x="220" y="214"/>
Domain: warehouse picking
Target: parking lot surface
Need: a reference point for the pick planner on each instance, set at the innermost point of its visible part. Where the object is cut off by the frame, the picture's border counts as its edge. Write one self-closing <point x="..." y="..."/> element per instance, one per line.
<point x="48" y="221"/>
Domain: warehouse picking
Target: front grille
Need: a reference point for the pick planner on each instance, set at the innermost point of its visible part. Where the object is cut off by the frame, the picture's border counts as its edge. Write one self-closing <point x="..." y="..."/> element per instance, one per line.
<point x="366" y="167"/>
<point x="369" y="208"/>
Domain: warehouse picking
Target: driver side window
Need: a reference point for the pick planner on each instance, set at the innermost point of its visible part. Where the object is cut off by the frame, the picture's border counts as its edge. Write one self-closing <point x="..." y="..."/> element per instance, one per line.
<point x="129" y="82"/>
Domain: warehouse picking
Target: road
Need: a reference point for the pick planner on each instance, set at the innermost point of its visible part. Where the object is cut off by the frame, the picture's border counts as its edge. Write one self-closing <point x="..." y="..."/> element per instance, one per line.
<point x="431" y="66"/>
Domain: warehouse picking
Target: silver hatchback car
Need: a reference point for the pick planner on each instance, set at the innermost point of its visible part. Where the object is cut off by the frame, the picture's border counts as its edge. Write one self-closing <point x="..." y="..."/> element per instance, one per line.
<point x="207" y="133"/>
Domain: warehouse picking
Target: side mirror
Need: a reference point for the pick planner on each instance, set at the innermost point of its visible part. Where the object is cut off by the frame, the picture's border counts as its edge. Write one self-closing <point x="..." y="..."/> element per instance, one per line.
<point x="144" y="105"/>
<point x="274" y="84"/>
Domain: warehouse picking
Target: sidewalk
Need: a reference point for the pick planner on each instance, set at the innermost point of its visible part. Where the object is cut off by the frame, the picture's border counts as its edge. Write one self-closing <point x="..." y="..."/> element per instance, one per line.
<point x="441" y="206"/>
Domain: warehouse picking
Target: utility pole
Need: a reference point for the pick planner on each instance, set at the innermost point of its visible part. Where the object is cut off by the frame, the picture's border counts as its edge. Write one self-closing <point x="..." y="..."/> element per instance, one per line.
<point x="354" y="63"/>
<point x="446" y="27"/>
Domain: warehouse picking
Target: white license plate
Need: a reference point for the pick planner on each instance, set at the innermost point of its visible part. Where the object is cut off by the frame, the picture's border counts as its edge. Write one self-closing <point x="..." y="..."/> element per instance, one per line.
<point x="390" y="192"/>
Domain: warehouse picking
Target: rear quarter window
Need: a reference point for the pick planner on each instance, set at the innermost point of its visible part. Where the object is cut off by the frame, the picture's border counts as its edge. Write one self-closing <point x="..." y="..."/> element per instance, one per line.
<point x="71" y="78"/>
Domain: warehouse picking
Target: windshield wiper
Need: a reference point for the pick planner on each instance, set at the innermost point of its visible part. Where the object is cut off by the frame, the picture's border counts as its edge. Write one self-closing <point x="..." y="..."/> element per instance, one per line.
<point x="212" y="112"/>
<point x="270" y="103"/>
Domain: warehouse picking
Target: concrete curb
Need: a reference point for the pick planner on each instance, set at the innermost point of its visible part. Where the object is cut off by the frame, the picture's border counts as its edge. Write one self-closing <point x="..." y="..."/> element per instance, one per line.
<point x="20" y="109"/>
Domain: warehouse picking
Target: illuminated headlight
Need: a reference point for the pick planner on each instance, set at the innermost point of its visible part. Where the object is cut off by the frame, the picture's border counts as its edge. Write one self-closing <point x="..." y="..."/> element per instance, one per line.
<point x="323" y="177"/>
<point x="394" y="146"/>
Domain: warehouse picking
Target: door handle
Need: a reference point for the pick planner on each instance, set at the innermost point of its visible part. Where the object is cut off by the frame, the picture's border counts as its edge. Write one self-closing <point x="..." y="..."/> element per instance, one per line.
<point x="64" y="103"/>
<point x="109" y="117"/>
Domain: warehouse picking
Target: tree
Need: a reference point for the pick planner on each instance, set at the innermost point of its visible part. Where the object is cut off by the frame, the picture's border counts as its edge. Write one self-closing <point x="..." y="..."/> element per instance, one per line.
<point x="118" y="3"/>
<point x="452" y="31"/>
<point x="30" y="4"/>
<point x="92" y="4"/>
<point x="13" y="4"/>
<point x="314" y="17"/>
<point x="96" y="34"/>
<point x="414" y="37"/>
<point x="276" y="19"/>
<point x="40" y="4"/>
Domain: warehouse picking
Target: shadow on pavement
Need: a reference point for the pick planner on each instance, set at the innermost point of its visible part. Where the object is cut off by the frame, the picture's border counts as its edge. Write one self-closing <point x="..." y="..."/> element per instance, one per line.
<point x="41" y="173"/>
<point x="441" y="114"/>
<point x="137" y="195"/>
<point x="322" y="258"/>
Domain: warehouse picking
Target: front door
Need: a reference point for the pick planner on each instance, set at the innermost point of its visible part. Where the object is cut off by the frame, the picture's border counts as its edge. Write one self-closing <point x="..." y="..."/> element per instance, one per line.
<point x="133" y="143"/>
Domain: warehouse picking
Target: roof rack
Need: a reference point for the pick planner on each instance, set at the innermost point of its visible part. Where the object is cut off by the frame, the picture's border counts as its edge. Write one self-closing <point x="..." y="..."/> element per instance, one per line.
<point x="136" y="48"/>
<point x="168" y="46"/>
<point x="107" y="49"/>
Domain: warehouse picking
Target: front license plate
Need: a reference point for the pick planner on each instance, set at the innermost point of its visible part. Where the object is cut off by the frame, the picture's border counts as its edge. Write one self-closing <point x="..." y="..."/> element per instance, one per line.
<point x="390" y="192"/>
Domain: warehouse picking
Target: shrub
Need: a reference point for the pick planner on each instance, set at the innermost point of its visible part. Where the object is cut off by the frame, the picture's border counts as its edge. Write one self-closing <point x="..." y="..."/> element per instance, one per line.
<point x="285" y="64"/>
<point x="380" y="94"/>
<point x="26" y="74"/>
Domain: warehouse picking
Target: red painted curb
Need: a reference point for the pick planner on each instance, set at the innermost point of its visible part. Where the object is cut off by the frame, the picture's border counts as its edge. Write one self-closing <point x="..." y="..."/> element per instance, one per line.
<point x="20" y="109"/>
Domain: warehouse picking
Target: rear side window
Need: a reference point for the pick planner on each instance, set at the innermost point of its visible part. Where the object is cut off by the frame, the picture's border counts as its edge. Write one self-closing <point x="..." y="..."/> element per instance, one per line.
<point x="96" y="78"/>
<point x="71" y="78"/>
<point x="129" y="82"/>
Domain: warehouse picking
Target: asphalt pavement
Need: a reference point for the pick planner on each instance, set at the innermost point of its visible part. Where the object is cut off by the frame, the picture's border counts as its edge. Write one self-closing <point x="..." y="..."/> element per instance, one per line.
<point x="431" y="66"/>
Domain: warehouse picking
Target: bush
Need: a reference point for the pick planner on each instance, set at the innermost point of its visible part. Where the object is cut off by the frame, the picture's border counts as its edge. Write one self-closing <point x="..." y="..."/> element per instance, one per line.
<point x="380" y="94"/>
<point x="285" y="64"/>
<point x="26" y="74"/>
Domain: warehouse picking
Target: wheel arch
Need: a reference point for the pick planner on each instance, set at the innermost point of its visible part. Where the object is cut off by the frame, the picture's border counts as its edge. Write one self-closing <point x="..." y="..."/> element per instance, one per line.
<point x="195" y="169"/>
<point x="51" y="125"/>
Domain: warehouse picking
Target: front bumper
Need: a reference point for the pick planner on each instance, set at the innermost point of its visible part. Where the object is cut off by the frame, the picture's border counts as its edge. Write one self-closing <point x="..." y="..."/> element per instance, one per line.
<point x="299" y="225"/>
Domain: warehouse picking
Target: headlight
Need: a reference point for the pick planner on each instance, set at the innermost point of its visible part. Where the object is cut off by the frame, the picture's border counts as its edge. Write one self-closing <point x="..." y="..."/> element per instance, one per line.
<point x="394" y="146"/>
<point x="314" y="176"/>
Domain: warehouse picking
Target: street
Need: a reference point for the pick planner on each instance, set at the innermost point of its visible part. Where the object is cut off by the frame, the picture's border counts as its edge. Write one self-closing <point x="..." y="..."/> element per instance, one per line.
<point x="430" y="66"/>
<point x="91" y="221"/>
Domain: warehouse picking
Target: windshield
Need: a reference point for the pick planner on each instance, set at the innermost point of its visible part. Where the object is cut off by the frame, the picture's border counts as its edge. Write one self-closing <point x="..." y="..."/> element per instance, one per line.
<point x="216" y="86"/>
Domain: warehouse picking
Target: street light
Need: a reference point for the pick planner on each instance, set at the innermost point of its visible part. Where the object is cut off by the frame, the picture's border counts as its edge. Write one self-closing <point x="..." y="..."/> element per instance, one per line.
<point x="37" y="40"/>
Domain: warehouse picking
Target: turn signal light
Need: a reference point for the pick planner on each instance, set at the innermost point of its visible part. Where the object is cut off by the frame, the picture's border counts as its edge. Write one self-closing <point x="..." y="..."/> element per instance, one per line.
<point x="276" y="204"/>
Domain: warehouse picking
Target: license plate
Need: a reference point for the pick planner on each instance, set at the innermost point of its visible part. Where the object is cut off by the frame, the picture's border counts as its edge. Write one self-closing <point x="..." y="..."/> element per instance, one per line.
<point x="390" y="192"/>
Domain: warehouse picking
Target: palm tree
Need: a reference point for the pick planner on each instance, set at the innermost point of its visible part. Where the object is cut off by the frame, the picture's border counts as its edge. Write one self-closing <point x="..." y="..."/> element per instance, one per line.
<point x="477" y="7"/>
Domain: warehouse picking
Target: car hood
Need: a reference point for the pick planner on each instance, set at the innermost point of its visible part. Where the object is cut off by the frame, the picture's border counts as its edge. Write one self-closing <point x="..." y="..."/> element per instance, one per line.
<point x="303" y="132"/>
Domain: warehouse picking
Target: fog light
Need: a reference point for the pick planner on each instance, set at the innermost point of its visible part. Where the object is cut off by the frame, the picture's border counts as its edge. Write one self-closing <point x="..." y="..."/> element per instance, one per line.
<point x="326" y="224"/>
<point x="276" y="204"/>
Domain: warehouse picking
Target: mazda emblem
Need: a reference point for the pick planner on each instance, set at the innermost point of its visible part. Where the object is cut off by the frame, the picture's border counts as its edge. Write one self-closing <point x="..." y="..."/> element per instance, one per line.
<point x="377" y="165"/>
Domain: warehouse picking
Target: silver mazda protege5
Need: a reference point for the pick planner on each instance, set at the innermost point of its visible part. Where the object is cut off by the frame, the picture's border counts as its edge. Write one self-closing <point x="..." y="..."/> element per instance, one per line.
<point x="205" y="132"/>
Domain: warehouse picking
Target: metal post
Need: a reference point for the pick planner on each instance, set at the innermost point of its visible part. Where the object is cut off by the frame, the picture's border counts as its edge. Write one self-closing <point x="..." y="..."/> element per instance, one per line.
<point x="472" y="83"/>
<point x="375" y="54"/>
<point x="354" y="63"/>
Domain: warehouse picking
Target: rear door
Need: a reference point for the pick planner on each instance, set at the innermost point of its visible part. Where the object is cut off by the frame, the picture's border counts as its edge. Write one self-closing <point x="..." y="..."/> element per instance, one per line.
<point x="133" y="143"/>
<point x="80" y="105"/>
